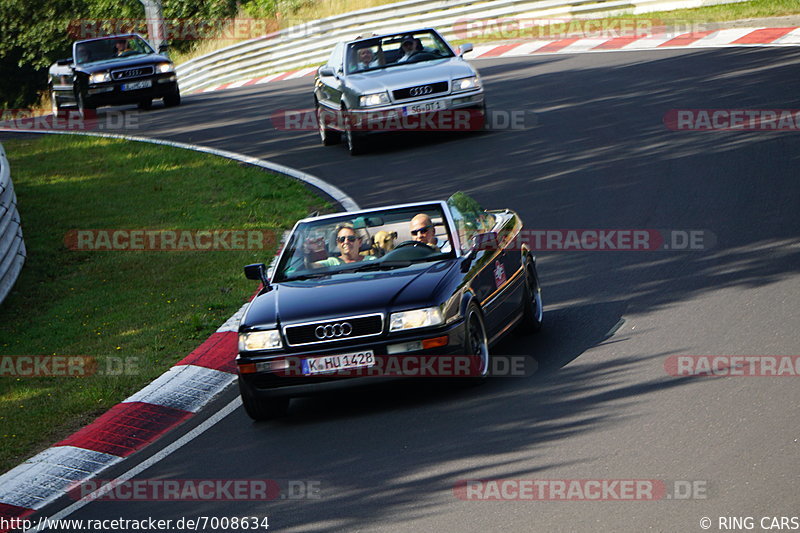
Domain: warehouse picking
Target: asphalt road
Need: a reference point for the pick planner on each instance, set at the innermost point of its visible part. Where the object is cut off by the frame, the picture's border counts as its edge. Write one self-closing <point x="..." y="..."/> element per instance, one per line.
<point x="601" y="405"/>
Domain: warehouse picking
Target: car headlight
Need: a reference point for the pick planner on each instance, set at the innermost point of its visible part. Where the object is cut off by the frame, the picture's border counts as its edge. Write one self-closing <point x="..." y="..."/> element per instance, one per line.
<point x="418" y="318"/>
<point x="163" y="68"/>
<point x="99" y="77"/>
<point x="260" y="340"/>
<point x="466" y="84"/>
<point x="375" y="99"/>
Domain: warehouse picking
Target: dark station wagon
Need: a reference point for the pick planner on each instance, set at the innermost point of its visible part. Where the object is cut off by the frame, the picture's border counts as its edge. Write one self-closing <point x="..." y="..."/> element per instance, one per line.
<point x="358" y="295"/>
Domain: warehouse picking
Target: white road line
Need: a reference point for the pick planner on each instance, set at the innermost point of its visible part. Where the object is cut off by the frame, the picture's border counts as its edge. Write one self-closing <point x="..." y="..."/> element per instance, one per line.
<point x="331" y="190"/>
<point x="144" y="465"/>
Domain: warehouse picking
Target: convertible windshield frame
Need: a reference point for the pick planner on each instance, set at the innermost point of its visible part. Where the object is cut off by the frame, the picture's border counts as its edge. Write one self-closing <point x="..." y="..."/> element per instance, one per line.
<point x="312" y="241"/>
<point x="385" y="50"/>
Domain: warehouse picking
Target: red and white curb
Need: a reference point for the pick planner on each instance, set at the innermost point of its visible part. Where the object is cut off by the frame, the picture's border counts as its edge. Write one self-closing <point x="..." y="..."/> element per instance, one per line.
<point x="124" y="429"/>
<point x="705" y="39"/>
<point x="141" y="419"/>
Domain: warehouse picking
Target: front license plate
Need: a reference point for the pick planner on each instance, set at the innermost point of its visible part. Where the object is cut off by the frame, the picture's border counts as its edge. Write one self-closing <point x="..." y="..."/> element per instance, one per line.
<point x="132" y="86"/>
<point x="334" y="363"/>
<point x="427" y="107"/>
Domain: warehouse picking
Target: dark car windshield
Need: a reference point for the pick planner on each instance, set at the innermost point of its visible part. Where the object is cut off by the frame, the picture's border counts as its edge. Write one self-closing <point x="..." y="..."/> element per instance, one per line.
<point x="111" y="49"/>
<point x="395" y="50"/>
<point x="367" y="242"/>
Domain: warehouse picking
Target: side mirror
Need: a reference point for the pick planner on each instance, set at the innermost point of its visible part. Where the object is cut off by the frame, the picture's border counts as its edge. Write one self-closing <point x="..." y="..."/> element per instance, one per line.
<point x="257" y="272"/>
<point x="485" y="242"/>
<point x="163" y="48"/>
<point x="64" y="62"/>
<point x="464" y="48"/>
<point x="326" y="71"/>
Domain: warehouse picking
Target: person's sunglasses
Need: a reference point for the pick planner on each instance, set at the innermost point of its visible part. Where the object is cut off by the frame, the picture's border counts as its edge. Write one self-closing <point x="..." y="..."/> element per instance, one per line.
<point x="424" y="229"/>
<point x="350" y="238"/>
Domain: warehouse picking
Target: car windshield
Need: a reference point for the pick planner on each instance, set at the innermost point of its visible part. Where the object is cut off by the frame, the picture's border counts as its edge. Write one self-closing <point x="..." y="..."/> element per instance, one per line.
<point x="111" y="49"/>
<point x="383" y="239"/>
<point x="395" y="50"/>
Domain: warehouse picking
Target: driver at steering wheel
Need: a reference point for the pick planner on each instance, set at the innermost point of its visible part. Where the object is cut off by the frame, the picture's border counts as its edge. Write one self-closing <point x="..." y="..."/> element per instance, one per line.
<point x="408" y="47"/>
<point x="422" y="230"/>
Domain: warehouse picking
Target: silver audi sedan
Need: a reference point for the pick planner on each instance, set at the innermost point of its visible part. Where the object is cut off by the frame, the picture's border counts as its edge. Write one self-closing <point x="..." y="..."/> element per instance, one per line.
<point x="409" y="81"/>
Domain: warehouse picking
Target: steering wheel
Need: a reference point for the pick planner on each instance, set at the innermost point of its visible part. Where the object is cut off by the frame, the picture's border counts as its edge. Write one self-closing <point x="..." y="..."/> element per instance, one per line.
<point x="421" y="55"/>
<point x="416" y="244"/>
<point x="413" y="250"/>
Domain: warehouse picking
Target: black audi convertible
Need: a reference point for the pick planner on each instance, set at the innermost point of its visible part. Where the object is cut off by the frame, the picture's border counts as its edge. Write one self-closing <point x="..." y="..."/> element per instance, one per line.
<point x="414" y="290"/>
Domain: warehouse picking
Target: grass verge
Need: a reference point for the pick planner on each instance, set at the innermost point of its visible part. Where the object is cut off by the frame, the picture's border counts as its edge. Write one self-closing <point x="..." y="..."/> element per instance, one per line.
<point x="143" y="309"/>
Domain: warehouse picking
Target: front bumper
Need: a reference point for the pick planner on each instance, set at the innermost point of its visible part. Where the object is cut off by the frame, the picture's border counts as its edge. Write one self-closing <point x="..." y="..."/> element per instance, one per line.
<point x="285" y="378"/>
<point x="117" y="92"/>
<point x="451" y="112"/>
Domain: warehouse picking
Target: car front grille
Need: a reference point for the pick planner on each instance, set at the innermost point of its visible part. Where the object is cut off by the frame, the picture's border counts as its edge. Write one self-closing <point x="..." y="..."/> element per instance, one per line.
<point x="338" y="329"/>
<point x="129" y="73"/>
<point x="420" y="91"/>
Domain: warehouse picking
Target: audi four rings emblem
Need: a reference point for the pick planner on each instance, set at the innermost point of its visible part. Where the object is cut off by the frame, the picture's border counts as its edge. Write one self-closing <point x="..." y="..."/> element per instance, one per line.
<point x="333" y="331"/>
<point x="421" y="90"/>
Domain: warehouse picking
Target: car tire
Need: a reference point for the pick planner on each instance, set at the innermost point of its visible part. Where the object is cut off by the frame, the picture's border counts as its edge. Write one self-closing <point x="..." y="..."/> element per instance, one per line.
<point x="55" y="107"/>
<point x="485" y="119"/>
<point x="532" y="311"/>
<point x="327" y="136"/>
<point x="476" y="343"/>
<point x="145" y="104"/>
<point x="173" y="100"/>
<point x="354" y="142"/>
<point x="262" y="408"/>
<point x="84" y="107"/>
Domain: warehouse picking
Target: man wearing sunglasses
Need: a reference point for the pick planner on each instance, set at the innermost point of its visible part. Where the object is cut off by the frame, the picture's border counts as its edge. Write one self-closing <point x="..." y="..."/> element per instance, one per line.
<point x="422" y="230"/>
<point x="349" y="244"/>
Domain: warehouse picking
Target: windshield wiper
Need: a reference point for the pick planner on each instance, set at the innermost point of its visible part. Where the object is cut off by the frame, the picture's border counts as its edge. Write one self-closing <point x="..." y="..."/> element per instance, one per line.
<point x="380" y="265"/>
<point x="304" y="277"/>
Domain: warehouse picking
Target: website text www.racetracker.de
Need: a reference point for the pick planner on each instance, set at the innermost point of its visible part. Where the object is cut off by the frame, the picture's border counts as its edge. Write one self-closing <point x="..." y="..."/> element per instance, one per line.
<point x="200" y="523"/>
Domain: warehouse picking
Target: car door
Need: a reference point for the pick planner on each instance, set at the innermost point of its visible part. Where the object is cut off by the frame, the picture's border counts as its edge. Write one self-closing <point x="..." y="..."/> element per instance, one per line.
<point x="492" y="269"/>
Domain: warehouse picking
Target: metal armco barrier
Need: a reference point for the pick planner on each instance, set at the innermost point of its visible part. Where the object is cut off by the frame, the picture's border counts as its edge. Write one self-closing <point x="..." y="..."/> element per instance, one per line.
<point x="12" y="247"/>
<point x="310" y="43"/>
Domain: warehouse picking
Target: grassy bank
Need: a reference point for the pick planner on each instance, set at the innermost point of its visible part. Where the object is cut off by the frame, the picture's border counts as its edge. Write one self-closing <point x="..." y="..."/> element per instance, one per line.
<point x="143" y="309"/>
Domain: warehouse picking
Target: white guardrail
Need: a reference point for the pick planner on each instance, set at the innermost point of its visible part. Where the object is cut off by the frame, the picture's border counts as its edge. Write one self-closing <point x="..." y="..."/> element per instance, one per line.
<point x="311" y="43"/>
<point x="12" y="247"/>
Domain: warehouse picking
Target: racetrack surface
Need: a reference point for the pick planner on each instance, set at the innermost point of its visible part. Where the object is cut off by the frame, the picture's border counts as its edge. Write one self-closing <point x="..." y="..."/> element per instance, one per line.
<point x="601" y="405"/>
